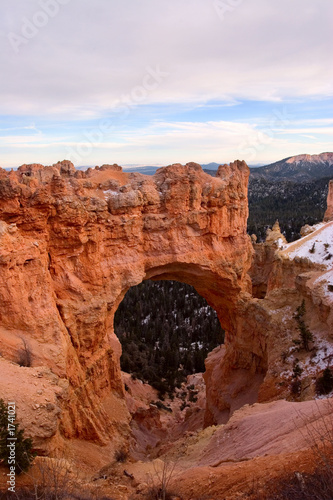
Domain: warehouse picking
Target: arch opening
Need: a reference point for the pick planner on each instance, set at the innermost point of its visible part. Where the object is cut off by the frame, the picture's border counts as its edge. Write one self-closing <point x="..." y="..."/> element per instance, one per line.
<point x="166" y="329"/>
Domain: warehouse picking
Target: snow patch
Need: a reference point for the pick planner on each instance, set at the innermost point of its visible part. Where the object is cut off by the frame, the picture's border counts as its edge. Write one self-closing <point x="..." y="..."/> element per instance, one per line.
<point x="280" y="243"/>
<point x="109" y="193"/>
<point x="145" y="320"/>
<point x="316" y="246"/>
<point x="315" y="363"/>
<point x="321" y="360"/>
<point x="326" y="282"/>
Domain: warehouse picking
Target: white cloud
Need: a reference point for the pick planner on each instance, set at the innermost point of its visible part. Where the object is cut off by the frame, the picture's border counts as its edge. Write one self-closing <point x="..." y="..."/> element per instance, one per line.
<point x="165" y="142"/>
<point x="91" y="54"/>
<point x="308" y="130"/>
<point x="91" y="59"/>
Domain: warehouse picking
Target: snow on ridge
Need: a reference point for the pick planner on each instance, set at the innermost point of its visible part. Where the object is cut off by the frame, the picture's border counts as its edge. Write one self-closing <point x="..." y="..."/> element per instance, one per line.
<point x="321" y="158"/>
<point x="316" y="246"/>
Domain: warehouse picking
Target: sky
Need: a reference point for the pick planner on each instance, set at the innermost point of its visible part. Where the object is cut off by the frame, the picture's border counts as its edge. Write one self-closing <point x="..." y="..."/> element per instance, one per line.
<point x="156" y="82"/>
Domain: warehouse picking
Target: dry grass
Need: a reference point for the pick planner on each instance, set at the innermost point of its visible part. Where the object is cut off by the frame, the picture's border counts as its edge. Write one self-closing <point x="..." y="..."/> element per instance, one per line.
<point x="54" y="479"/>
<point x="159" y="482"/>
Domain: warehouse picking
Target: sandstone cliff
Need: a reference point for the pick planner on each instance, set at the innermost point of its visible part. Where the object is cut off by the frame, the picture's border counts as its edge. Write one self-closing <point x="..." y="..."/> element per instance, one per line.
<point x="71" y="245"/>
<point x="73" y="242"/>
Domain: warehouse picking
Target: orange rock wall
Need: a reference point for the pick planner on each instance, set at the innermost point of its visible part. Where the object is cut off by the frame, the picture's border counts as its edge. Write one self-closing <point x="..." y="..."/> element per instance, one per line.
<point x="72" y="243"/>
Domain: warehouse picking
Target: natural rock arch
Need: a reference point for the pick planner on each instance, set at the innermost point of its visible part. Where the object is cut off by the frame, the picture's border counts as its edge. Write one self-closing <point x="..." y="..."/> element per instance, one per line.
<point x="74" y="242"/>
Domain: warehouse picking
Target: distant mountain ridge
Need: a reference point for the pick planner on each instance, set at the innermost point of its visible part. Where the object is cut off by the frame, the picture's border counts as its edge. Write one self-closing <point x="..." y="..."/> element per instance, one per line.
<point x="299" y="168"/>
<point x="302" y="167"/>
<point x="210" y="168"/>
<point x="150" y="170"/>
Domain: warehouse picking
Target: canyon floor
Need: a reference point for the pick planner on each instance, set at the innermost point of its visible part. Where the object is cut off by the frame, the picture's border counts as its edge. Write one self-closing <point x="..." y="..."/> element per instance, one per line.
<point x="241" y="459"/>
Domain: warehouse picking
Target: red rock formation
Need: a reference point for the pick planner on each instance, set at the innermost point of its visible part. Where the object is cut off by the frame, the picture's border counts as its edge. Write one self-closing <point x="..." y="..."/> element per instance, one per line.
<point x="283" y="278"/>
<point x="73" y="242"/>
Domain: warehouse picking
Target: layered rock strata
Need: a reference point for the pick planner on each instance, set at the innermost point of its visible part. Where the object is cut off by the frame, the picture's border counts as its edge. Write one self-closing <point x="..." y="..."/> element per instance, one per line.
<point x="72" y="243"/>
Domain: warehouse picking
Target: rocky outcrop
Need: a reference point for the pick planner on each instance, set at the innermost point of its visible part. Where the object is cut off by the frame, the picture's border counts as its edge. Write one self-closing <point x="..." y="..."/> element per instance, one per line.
<point x="283" y="276"/>
<point x="73" y="242"/>
<point x="263" y="260"/>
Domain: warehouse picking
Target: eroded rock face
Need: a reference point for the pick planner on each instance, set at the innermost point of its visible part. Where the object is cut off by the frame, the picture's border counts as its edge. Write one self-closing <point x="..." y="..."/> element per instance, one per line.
<point x="283" y="276"/>
<point x="72" y="243"/>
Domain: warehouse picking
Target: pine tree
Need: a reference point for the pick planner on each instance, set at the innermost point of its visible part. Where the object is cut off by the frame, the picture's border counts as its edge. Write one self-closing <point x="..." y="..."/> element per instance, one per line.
<point x="324" y="383"/>
<point x="305" y="335"/>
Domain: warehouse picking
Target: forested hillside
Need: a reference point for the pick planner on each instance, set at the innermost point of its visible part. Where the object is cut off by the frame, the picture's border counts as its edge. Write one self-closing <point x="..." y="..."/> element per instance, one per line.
<point x="294" y="204"/>
<point x="166" y="330"/>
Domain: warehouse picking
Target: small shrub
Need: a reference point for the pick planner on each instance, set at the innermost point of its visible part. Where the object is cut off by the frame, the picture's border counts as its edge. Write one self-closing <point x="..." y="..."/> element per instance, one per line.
<point x="284" y="356"/>
<point x="313" y="248"/>
<point x="297" y="371"/>
<point x="21" y="494"/>
<point x="159" y="482"/>
<point x="54" y="480"/>
<point x="324" y="384"/>
<point x="296" y="387"/>
<point x="330" y="288"/>
<point x="193" y="396"/>
<point x="121" y="455"/>
<point x="305" y="335"/>
<point x="24" y="355"/>
<point x="328" y="256"/>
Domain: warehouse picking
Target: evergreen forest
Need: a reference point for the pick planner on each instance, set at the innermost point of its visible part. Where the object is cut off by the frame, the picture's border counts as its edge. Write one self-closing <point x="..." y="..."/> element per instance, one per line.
<point x="166" y="329"/>
<point x="293" y="203"/>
